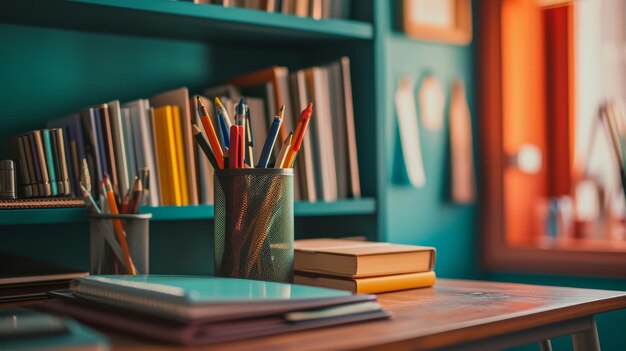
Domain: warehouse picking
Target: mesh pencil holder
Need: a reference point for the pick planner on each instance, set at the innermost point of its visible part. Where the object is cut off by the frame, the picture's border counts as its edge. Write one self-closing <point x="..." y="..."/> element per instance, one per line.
<point x="254" y="223"/>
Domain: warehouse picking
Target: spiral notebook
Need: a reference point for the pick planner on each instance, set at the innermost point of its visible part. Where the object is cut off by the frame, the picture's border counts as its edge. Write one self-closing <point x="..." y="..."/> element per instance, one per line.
<point x="196" y="298"/>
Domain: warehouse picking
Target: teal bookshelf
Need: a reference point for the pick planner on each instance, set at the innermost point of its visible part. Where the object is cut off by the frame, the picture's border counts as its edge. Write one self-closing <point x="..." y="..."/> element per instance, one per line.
<point x="183" y="20"/>
<point x="365" y="206"/>
<point x="68" y="54"/>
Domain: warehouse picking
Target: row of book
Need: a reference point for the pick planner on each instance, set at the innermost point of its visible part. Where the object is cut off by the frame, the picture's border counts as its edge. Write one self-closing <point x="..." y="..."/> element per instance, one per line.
<point x="152" y="139"/>
<point x="327" y="166"/>
<point x="316" y="9"/>
<point x="363" y="267"/>
<point x="41" y="163"/>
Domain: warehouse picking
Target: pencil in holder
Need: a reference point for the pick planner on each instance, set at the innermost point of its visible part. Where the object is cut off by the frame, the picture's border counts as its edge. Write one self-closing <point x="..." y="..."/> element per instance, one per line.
<point x="106" y="253"/>
<point x="254" y="223"/>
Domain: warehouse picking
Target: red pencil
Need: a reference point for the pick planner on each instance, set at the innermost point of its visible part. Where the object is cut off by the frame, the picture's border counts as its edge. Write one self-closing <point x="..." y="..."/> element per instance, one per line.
<point x="235" y="144"/>
<point x="242" y="145"/>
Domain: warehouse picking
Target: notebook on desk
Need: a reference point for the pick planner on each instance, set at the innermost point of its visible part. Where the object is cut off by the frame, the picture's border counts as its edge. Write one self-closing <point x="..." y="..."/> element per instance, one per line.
<point x="201" y="310"/>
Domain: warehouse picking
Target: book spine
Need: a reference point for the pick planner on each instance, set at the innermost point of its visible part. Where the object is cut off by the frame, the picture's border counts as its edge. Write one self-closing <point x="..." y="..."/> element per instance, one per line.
<point x="19" y="156"/>
<point x="62" y="157"/>
<point x="28" y="150"/>
<point x="41" y="163"/>
<point x="49" y="157"/>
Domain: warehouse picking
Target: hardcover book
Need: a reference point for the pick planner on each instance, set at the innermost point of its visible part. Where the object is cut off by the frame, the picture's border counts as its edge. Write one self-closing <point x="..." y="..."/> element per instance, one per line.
<point x="358" y="259"/>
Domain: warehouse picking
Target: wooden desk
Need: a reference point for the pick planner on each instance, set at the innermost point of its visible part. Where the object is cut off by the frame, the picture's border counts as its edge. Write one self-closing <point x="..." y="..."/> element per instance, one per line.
<point x="455" y="314"/>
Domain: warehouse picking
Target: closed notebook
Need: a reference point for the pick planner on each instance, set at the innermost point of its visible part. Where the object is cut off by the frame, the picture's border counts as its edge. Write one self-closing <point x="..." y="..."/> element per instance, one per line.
<point x="192" y="298"/>
<point x="215" y="331"/>
<point x="358" y="259"/>
<point x="373" y="285"/>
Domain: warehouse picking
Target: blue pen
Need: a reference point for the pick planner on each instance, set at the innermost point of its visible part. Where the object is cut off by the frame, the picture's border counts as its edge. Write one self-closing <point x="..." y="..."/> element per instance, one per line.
<point x="223" y="120"/>
<point x="271" y="139"/>
<point x="223" y="130"/>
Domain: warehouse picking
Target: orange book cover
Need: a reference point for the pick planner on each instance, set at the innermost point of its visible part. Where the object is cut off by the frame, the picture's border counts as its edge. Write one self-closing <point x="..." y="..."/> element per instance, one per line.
<point x="372" y="285"/>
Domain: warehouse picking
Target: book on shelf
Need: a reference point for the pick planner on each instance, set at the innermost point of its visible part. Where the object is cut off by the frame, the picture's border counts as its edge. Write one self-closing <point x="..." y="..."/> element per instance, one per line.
<point x="360" y="259"/>
<point x="155" y="134"/>
<point x="327" y="166"/>
<point x="41" y="163"/>
<point x="317" y="9"/>
<point x="203" y="310"/>
<point x="371" y="285"/>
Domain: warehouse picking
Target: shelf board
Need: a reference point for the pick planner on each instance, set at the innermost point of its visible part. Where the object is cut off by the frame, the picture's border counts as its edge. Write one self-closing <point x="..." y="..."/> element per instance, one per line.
<point x="364" y="206"/>
<point x="181" y="20"/>
<point x="42" y="216"/>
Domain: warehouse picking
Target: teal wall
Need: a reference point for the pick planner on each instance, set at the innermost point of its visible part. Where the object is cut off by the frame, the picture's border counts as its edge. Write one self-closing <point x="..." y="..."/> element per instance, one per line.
<point x="426" y="216"/>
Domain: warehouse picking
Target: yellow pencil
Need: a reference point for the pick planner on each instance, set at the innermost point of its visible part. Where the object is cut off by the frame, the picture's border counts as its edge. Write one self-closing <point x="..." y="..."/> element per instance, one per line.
<point x="283" y="151"/>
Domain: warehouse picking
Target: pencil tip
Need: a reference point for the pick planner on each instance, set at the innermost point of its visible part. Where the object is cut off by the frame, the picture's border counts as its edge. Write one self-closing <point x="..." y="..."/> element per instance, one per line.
<point x="310" y="106"/>
<point x="196" y="130"/>
<point x="217" y="101"/>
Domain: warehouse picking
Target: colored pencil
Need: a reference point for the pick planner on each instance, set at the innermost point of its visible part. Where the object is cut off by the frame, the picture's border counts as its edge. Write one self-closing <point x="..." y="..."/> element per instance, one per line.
<point x="119" y="229"/>
<point x="135" y="197"/>
<point x="268" y="146"/>
<point x="283" y="151"/>
<point x="204" y="145"/>
<point x="210" y="133"/>
<point x="233" y="153"/>
<point x="242" y="147"/>
<point x="305" y="117"/>
<point x="224" y="122"/>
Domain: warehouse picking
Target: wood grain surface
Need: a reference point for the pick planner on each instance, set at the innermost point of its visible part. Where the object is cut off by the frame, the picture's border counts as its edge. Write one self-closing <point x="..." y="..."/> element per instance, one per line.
<point x="452" y="313"/>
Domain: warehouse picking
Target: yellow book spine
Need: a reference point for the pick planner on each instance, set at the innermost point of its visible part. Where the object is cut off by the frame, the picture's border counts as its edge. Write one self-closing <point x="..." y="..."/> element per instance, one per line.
<point x="180" y="156"/>
<point x="172" y="161"/>
<point x="394" y="282"/>
<point x="160" y="133"/>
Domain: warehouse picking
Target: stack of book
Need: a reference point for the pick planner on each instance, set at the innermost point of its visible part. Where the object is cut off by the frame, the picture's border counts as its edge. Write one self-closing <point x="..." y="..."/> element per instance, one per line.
<point x="363" y="267"/>
<point x="23" y="278"/>
<point x="316" y="9"/>
<point x="203" y="310"/>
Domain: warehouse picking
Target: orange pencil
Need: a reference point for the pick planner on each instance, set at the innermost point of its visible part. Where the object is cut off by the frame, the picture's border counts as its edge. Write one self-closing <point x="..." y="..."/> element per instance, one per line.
<point x="117" y="224"/>
<point x="305" y="117"/>
<point x="210" y="133"/>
